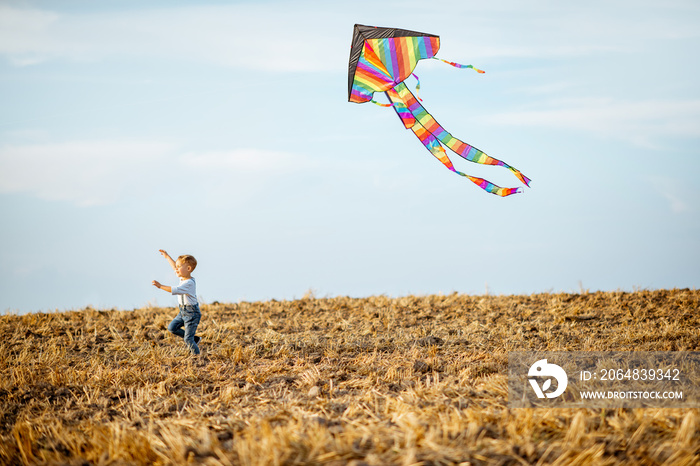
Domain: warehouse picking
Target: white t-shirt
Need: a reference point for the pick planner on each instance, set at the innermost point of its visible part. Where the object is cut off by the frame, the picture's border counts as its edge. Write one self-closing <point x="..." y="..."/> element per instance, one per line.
<point x="186" y="291"/>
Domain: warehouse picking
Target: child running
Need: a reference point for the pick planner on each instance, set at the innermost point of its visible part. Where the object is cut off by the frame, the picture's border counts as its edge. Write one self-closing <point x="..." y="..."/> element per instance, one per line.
<point x="189" y="315"/>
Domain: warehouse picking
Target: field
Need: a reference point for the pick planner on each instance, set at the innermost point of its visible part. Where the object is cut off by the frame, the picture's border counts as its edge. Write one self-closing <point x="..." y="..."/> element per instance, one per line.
<point x="332" y="381"/>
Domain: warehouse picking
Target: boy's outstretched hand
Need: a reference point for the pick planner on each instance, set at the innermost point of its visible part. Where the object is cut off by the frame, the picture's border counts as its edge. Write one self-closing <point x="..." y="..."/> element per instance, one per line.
<point x="167" y="257"/>
<point x="157" y="284"/>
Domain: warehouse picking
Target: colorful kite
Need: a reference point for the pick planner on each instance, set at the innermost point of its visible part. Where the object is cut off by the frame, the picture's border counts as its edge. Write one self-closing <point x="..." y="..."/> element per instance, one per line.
<point x="381" y="59"/>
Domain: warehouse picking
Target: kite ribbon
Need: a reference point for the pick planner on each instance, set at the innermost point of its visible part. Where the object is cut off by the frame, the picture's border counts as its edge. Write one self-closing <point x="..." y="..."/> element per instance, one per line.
<point x="457" y="65"/>
<point x="380" y="104"/>
<point x="431" y="134"/>
<point x="417" y="86"/>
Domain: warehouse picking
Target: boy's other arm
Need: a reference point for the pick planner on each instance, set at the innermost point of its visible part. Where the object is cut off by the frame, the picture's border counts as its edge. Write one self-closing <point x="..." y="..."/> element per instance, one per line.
<point x="168" y="258"/>
<point x="162" y="287"/>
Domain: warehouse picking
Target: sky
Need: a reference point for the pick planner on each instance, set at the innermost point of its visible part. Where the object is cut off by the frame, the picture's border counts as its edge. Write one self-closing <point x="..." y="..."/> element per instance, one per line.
<point x="222" y="129"/>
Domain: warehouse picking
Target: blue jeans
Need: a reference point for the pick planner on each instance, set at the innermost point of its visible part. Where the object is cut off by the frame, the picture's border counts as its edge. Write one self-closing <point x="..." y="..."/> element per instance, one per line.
<point x="188" y="317"/>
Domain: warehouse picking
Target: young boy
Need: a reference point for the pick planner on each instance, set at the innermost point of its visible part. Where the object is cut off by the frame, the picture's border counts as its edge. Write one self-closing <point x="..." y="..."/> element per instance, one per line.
<point x="186" y="292"/>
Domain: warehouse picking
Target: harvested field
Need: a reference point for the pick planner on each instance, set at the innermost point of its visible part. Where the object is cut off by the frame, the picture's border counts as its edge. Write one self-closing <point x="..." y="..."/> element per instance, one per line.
<point x="411" y="380"/>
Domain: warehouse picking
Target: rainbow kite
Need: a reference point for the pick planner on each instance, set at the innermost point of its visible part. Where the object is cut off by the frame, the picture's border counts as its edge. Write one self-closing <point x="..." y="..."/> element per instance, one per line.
<point x="381" y="59"/>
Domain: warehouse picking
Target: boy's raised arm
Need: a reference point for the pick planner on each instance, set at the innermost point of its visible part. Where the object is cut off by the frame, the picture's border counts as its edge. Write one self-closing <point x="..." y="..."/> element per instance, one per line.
<point x="168" y="258"/>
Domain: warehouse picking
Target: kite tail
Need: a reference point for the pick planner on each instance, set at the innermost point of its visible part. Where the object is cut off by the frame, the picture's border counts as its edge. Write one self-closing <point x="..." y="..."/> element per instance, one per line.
<point x="457" y="65"/>
<point x="435" y="148"/>
<point x="461" y="148"/>
<point x="439" y="152"/>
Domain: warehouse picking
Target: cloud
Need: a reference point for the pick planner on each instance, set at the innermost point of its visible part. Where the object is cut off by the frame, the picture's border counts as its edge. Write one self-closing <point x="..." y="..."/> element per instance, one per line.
<point x="245" y="161"/>
<point x="680" y="198"/>
<point x="85" y="173"/>
<point x="242" y="36"/>
<point x="304" y="35"/>
<point x="23" y="33"/>
<point x="642" y="123"/>
<point x="243" y="175"/>
<point x="89" y="173"/>
<point x="554" y="30"/>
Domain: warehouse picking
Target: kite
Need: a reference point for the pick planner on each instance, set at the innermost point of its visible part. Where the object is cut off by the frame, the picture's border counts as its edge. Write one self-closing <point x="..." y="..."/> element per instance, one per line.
<point x="381" y="59"/>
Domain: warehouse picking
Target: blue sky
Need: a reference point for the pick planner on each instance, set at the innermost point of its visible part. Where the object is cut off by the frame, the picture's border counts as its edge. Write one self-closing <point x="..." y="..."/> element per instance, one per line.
<point x="222" y="130"/>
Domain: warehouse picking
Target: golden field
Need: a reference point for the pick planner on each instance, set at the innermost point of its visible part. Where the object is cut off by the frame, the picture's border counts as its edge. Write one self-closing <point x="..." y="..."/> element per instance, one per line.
<point x="332" y="381"/>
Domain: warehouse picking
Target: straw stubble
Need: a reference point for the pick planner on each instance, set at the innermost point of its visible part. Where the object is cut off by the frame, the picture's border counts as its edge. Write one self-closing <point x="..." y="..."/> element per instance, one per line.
<point x="410" y="380"/>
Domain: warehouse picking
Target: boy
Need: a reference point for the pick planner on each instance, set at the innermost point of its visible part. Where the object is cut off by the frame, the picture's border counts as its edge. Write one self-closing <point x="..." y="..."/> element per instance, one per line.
<point x="186" y="292"/>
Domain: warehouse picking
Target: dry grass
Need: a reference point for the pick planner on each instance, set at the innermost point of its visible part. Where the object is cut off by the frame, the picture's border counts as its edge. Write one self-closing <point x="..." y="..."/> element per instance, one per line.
<point x="412" y="380"/>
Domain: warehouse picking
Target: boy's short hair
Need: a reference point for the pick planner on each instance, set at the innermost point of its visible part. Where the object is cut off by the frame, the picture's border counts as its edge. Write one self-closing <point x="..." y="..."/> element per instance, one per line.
<point x="189" y="260"/>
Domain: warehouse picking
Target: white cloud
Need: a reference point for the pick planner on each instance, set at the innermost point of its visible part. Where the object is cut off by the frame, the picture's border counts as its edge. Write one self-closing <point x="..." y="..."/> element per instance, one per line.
<point x="641" y="123"/>
<point x="680" y="198"/>
<point x="553" y="29"/>
<point x="243" y="35"/>
<point x="239" y="176"/>
<point x="244" y="160"/>
<point x="304" y="35"/>
<point x="89" y="173"/>
<point x="85" y="173"/>
<point x="23" y="31"/>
